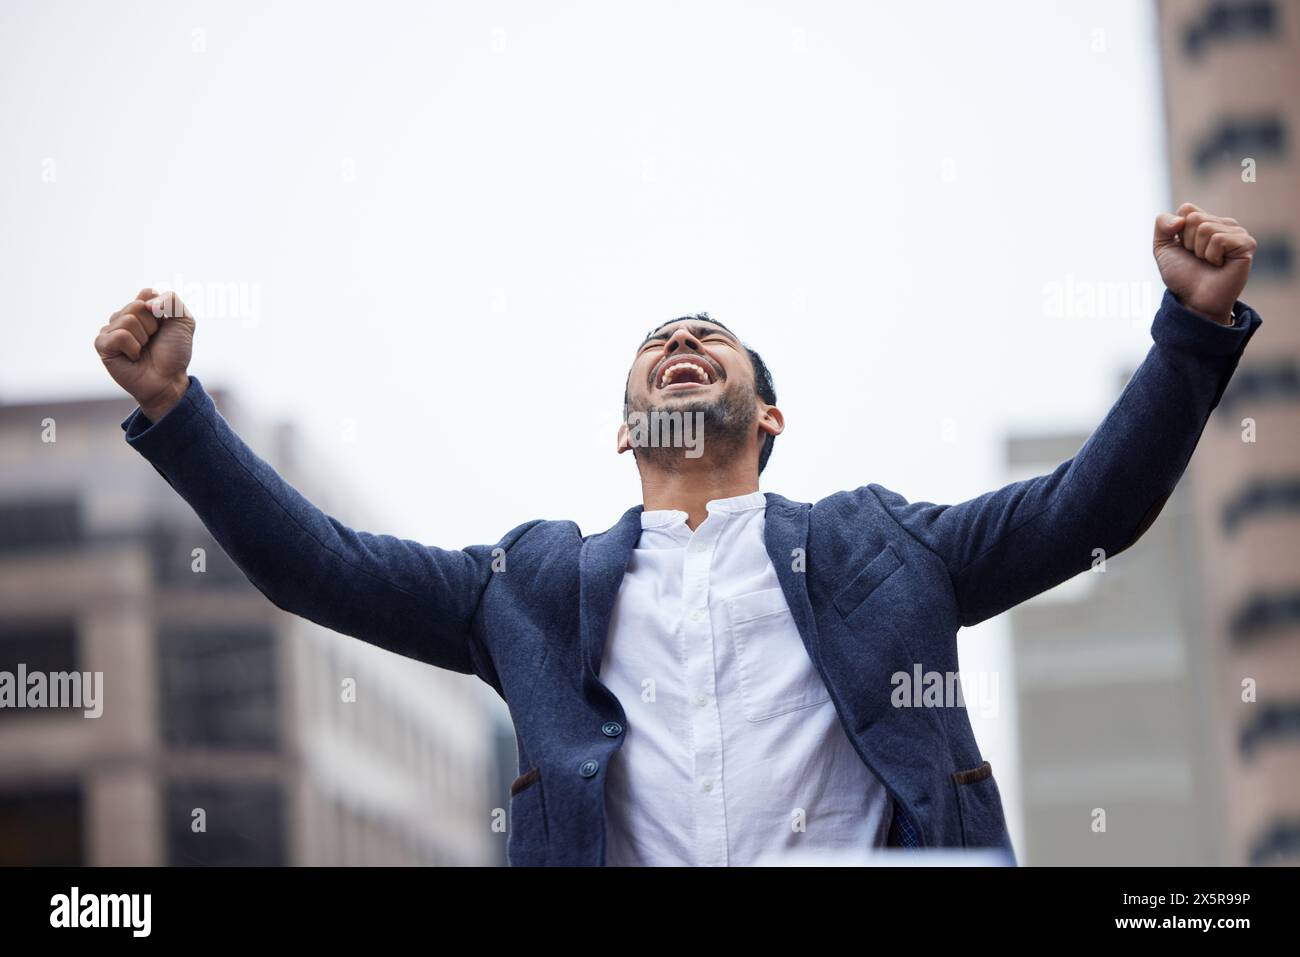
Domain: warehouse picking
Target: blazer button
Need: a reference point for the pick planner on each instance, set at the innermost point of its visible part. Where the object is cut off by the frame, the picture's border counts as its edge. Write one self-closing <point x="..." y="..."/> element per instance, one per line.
<point x="612" y="729"/>
<point x="588" y="768"/>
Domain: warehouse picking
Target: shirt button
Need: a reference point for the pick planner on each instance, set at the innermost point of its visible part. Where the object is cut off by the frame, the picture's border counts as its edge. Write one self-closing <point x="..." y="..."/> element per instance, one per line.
<point x="611" y="729"/>
<point x="708" y="785"/>
<point x="697" y="616"/>
<point x="588" y="768"/>
<point x="701" y="701"/>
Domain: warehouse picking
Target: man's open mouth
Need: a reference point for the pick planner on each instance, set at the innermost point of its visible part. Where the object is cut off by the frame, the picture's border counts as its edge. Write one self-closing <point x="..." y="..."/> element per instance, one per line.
<point x="685" y="372"/>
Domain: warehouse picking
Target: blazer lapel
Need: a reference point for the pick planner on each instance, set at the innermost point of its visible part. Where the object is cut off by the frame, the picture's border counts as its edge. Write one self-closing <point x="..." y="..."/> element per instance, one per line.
<point x="785" y="527"/>
<point x="601" y="565"/>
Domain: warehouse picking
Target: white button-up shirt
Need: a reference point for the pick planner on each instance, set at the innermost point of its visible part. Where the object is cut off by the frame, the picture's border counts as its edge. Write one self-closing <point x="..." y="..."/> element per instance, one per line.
<point x="734" y="750"/>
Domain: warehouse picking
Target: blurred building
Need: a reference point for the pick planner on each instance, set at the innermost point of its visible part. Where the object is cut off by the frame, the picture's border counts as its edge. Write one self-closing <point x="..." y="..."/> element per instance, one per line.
<point x="1232" y="97"/>
<point x="218" y="707"/>
<point x="1111" y="680"/>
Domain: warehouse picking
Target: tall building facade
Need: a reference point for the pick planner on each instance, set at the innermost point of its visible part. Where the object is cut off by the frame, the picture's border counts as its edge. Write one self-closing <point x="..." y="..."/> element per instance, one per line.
<point x="1110" y="679"/>
<point x="230" y="732"/>
<point x="1231" y="73"/>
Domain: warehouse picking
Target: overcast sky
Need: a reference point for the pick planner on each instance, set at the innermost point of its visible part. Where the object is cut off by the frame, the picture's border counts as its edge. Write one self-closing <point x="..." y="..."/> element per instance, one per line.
<point x="447" y="226"/>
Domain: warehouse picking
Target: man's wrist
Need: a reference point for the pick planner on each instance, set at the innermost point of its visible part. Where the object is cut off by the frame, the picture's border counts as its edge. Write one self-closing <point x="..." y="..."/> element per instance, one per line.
<point x="155" y="407"/>
<point x="1225" y="318"/>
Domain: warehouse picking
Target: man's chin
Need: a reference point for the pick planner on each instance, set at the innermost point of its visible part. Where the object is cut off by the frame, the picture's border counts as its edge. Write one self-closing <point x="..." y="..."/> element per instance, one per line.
<point x="689" y="400"/>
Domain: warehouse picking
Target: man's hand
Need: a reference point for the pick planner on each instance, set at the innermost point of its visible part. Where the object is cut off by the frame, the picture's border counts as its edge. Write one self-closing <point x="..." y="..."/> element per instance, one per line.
<point x="146" y="349"/>
<point x="1204" y="260"/>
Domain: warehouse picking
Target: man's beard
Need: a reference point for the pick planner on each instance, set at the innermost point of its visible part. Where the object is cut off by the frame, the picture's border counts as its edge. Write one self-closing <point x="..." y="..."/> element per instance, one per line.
<point x="722" y="427"/>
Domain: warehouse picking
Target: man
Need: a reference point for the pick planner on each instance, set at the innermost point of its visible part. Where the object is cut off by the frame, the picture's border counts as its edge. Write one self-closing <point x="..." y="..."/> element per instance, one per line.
<point x="712" y="680"/>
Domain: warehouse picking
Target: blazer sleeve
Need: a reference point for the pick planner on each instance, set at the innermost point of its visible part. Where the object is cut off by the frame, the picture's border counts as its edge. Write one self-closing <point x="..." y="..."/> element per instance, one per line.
<point x="1017" y="541"/>
<point x="412" y="599"/>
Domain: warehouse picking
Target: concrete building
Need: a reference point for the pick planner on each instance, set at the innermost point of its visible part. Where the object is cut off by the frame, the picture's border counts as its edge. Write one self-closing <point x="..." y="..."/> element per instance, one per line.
<point x="1232" y="98"/>
<point x="1111" y="678"/>
<point x="219" y="709"/>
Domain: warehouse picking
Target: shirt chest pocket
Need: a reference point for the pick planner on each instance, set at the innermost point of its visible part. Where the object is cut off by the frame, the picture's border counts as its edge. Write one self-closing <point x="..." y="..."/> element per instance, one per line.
<point x="776" y="675"/>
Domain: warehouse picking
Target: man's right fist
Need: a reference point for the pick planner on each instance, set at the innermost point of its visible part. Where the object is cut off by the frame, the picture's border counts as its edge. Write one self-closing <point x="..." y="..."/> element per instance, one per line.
<point x="146" y="349"/>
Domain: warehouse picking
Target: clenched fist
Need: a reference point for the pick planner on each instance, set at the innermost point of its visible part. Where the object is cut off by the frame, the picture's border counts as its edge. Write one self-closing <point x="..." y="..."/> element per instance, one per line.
<point x="1204" y="260"/>
<point x="146" y="349"/>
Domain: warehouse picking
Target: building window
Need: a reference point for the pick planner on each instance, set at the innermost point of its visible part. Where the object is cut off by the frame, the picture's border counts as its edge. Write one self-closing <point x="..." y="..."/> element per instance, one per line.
<point x="41" y="828"/>
<point x="1233" y="139"/>
<point x="243" y="821"/>
<point x="1279" y="843"/>
<point x="38" y="647"/>
<point x="1264" y="615"/>
<point x="1263" y="382"/>
<point x="39" y="524"/>
<point x="1262" y="497"/>
<point x="219" y="687"/>
<point x="172" y="550"/>
<point x="1227" y="22"/>
<point x="1274" y="259"/>
<point x="1270" y="721"/>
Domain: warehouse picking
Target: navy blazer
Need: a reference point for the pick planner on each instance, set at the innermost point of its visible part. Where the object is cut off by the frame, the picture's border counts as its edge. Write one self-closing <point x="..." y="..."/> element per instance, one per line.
<point x="876" y="585"/>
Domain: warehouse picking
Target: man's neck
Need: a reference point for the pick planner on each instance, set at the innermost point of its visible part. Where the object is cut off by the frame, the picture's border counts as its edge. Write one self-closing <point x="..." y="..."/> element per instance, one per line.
<point x="691" y="488"/>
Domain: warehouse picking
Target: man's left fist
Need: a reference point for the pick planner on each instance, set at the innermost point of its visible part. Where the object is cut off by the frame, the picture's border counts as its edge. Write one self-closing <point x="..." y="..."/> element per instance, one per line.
<point x="1204" y="260"/>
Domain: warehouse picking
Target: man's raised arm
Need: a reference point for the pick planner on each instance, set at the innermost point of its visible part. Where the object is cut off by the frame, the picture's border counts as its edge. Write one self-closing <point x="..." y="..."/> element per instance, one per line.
<point x="409" y="598"/>
<point x="1010" y="544"/>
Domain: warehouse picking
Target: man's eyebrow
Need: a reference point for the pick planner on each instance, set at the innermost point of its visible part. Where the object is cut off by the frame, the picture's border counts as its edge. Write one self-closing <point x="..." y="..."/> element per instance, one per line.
<point x="699" y="331"/>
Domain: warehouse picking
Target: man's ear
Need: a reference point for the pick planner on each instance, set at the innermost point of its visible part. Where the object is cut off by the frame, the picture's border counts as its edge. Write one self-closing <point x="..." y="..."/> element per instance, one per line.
<point x="771" y="421"/>
<point x="624" y="443"/>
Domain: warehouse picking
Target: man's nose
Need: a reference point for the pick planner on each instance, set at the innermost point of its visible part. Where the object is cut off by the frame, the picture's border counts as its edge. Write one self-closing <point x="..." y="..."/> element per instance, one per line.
<point x="681" y="339"/>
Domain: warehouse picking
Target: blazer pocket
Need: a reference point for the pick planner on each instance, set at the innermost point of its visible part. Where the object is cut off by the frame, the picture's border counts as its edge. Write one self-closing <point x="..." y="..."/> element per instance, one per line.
<point x="979" y="806"/>
<point x="531" y="776"/>
<point x="974" y="775"/>
<point x="528" y="830"/>
<point x="872" y="576"/>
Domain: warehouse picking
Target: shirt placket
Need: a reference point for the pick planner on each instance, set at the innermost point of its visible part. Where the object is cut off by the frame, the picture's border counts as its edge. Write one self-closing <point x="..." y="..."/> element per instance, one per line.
<point x="701" y="682"/>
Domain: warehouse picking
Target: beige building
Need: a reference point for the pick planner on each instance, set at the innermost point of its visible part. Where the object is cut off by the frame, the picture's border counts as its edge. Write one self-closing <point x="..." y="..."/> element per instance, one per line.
<point x="1111" y="678"/>
<point x="225" y="736"/>
<point x="1232" y="98"/>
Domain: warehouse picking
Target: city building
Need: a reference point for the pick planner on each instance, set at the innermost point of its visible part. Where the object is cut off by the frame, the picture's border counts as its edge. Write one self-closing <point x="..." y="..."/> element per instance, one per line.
<point x="1231" y="71"/>
<point x="1111" y="677"/>
<point x="228" y="732"/>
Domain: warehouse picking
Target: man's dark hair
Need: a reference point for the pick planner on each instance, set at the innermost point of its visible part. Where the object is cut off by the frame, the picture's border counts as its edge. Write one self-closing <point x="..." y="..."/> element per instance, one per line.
<point x="763" y="384"/>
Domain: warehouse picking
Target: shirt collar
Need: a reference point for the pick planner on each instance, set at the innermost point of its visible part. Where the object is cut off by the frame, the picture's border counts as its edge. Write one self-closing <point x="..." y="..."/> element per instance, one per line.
<point x="670" y="517"/>
<point x="738" y="503"/>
